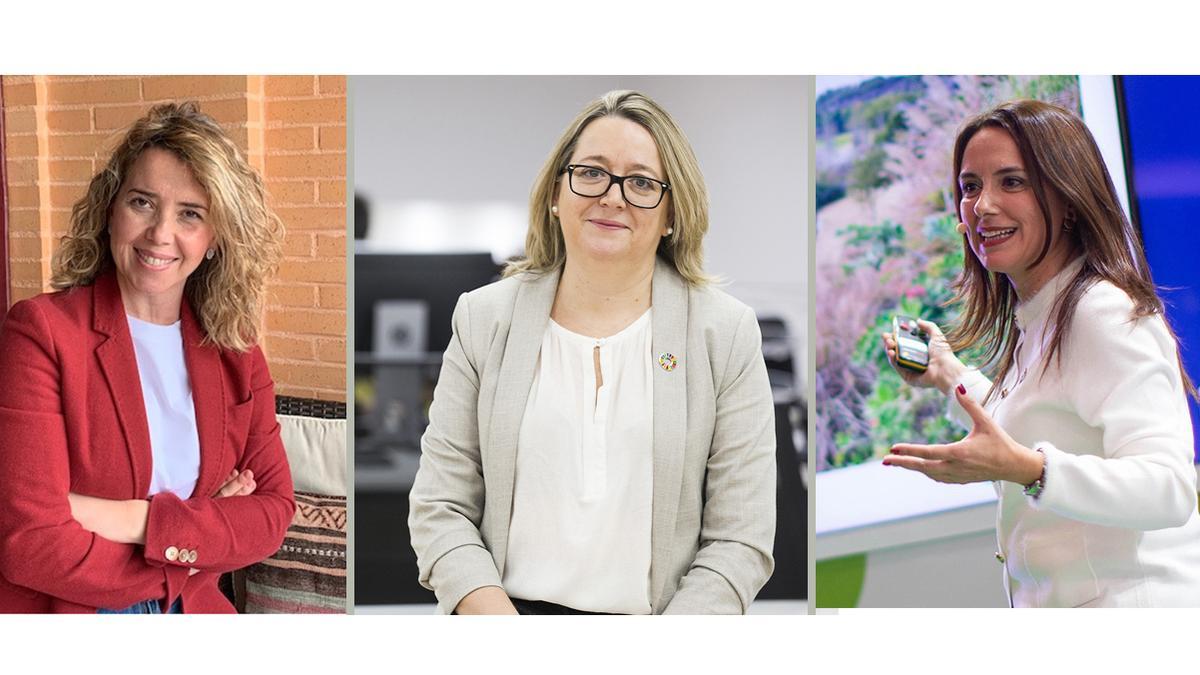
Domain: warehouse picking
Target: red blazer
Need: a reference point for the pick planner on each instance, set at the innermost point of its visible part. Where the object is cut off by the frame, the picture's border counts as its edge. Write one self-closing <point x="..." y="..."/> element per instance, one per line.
<point x="72" y="420"/>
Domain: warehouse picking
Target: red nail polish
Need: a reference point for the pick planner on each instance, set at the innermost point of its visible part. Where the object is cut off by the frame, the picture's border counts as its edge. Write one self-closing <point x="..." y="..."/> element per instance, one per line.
<point x="962" y="390"/>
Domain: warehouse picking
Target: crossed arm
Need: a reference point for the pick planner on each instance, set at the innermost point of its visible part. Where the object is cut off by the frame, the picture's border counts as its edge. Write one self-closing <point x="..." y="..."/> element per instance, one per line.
<point x="54" y="542"/>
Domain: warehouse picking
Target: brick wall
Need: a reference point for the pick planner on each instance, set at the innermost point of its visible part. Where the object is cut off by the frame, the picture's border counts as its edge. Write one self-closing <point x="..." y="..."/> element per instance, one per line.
<point x="60" y="130"/>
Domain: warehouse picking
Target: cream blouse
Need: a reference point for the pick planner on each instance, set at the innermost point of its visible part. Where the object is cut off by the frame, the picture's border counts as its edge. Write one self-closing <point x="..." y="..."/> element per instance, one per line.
<point x="580" y="529"/>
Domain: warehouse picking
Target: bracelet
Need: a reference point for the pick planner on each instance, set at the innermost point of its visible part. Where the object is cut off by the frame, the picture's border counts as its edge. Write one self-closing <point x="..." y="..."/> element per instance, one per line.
<point x="1036" y="488"/>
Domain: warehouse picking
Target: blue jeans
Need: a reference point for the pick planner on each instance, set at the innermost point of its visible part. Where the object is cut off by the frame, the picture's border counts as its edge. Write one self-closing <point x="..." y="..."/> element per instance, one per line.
<point x="145" y="607"/>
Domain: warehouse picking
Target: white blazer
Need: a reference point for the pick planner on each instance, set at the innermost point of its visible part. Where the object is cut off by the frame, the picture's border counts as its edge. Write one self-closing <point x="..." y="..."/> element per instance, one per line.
<point x="1116" y="525"/>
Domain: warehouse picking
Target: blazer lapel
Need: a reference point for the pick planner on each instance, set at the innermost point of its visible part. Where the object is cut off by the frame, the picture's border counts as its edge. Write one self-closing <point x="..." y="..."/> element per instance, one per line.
<point x="669" y="298"/>
<point x="531" y="315"/>
<point x="208" y="397"/>
<point x="118" y="362"/>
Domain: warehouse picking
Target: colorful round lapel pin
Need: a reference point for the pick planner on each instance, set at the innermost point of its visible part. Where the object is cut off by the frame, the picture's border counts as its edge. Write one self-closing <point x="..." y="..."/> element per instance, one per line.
<point x="667" y="361"/>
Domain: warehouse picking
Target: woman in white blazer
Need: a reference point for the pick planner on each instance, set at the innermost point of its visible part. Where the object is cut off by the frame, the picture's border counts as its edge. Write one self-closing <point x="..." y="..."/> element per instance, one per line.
<point x="601" y="438"/>
<point x="1085" y="425"/>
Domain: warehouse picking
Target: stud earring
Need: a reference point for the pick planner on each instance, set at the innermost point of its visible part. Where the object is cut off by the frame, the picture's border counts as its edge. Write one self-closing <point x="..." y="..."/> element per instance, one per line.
<point x="670" y="231"/>
<point x="210" y="254"/>
<point x="554" y="210"/>
<point x="961" y="228"/>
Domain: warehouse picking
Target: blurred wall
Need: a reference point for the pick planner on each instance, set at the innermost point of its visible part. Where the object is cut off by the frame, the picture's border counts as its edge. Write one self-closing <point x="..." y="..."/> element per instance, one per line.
<point x="749" y="133"/>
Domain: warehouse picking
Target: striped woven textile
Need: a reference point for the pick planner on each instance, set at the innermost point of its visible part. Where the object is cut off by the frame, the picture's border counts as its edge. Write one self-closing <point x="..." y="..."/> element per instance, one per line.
<point x="308" y="573"/>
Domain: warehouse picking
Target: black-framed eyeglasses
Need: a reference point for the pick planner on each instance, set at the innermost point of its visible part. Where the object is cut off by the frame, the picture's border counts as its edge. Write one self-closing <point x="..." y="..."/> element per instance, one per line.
<point x="592" y="181"/>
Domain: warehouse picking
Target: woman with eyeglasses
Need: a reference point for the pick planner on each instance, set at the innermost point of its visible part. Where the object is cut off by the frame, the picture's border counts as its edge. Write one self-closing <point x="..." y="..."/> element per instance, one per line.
<point x="1085" y="426"/>
<point x="139" y="453"/>
<point x="601" y="438"/>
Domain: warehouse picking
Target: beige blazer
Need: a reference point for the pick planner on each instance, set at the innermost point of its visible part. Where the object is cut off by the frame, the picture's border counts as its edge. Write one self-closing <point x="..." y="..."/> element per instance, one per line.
<point x="714" y="445"/>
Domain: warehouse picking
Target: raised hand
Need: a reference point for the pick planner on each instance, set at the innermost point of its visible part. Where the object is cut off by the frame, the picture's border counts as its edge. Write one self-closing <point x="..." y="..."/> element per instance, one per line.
<point x="987" y="453"/>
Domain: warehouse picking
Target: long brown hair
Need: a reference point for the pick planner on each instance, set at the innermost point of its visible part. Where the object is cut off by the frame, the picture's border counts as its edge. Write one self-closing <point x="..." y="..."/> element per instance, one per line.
<point x="1060" y="157"/>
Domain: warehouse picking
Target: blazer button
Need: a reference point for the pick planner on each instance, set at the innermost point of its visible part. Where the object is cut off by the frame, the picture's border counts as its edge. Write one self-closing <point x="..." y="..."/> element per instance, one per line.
<point x="171" y="554"/>
<point x="192" y="556"/>
<point x="183" y="555"/>
<point x="1000" y="557"/>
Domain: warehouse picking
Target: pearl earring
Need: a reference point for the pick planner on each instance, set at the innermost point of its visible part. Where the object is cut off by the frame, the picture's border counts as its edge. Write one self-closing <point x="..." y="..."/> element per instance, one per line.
<point x="554" y="210"/>
<point x="210" y="254"/>
<point x="961" y="228"/>
<point x="670" y="231"/>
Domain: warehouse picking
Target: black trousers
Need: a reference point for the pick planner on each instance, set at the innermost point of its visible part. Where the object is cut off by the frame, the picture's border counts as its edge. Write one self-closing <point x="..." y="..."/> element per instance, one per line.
<point x="532" y="607"/>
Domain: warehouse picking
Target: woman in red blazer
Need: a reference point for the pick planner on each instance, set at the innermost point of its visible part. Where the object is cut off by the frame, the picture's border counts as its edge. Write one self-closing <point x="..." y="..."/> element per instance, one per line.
<point x="174" y="234"/>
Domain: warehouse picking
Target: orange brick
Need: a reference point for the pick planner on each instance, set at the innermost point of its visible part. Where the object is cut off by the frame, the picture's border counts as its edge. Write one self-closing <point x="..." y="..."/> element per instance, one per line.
<point x="119" y="116"/>
<point x="315" y="165"/>
<point x="19" y="94"/>
<point x="25" y="247"/>
<point x="227" y="111"/>
<point x="22" y="170"/>
<point x="291" y="191"/>
<point x="298" y="245"/>
<point x="82" y="145"/>
<point x="106" y="90"/>
<point x="24" y="146"/>
<point x="240" y="137"/>
<point x="176" y="87"/>
<point x="313" y="217"/>
<point x="308" y="110"/>
<point x="330" y="394"/>
<point x="290" y="85"/>
<point x="24" y="292"/>
<point x="291" y="295"/>
<point x="331" y="192"/>
<point x="28" y="271"/>
<point x="332" y="297"/>
<point x="310" y="373"/>
<point x="331" y="246"/>
<point x="23" y="220"/>
<point x="23" y="195"/>
<point x="332" y="138"/>
<point x="66" y="194"/>
<point x="285" y="389"/>
<point x="307" y="321"/>
<point x="333" y="84"/>
<point x="291" y="138"/>
<point x="69" y="121"/>
<point x="285" y="347"/>
<point x="254" y="85"/>
<point x="60" y="218"/>
<point x="72" y="170"/>
<point x="313" y="270"/>
<point x="20" y="121"/>
<point x="332" y="351"/>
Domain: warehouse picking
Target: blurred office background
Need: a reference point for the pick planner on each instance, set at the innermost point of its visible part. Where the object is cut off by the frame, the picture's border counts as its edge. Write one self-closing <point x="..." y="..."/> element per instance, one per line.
<point x="422" y="238"/>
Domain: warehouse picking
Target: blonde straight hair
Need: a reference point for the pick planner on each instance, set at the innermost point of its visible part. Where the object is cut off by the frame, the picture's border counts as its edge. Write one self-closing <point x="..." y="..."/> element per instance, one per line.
<point x="687" y="200"/>
<point x="226" y="292"/>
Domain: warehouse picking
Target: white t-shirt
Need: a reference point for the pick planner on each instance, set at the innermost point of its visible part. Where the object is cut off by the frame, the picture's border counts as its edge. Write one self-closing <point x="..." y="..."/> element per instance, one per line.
<point x="170" y="412"/>
<point x="580" y="529"/>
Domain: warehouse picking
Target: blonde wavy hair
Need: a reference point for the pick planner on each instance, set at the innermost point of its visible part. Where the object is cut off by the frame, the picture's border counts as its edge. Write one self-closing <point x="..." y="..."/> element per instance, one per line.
<point x="687" y="200"/>
<point x="227" y="292"/>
